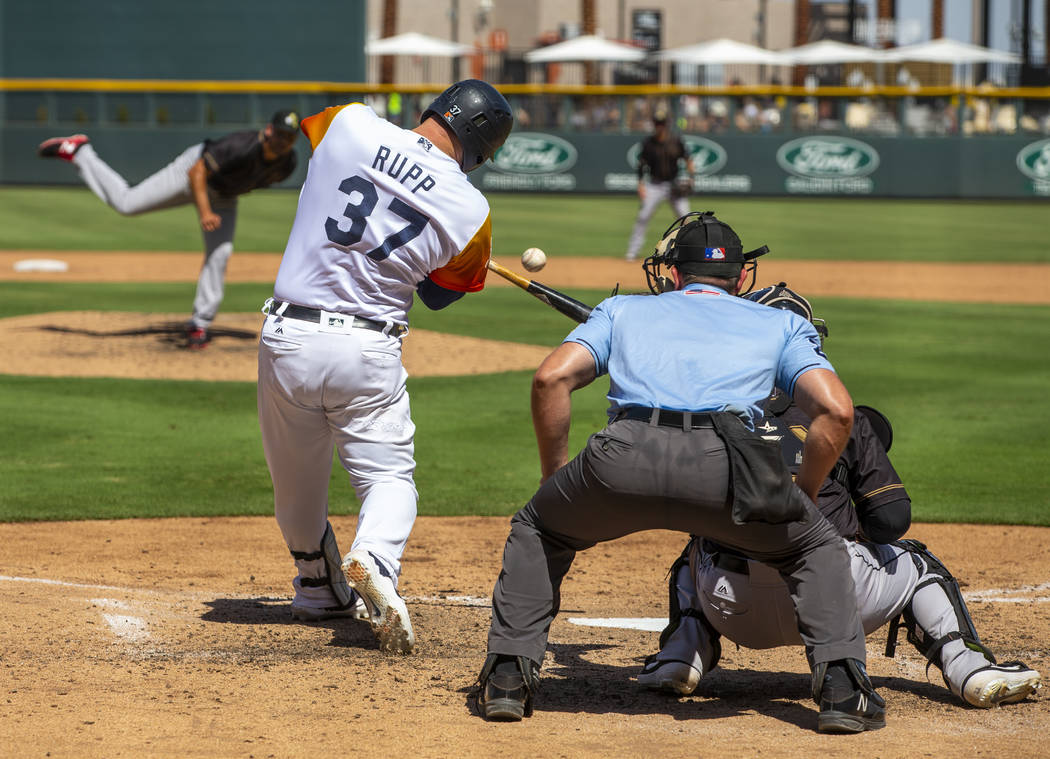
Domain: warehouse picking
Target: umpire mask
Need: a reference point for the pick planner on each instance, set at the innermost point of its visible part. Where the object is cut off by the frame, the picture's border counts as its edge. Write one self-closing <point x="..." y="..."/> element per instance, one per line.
<point x="699" y="244"/>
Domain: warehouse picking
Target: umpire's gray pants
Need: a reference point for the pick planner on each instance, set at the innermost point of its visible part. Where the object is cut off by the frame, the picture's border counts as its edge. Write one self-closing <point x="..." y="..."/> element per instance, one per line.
<point x="655" y="194"/>
<point x="634" y="476"/>
<point x="168" y="188"/>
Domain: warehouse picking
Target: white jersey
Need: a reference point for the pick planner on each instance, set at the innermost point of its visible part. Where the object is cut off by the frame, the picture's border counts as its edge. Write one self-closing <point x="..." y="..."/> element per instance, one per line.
<point x="381" y="209"/>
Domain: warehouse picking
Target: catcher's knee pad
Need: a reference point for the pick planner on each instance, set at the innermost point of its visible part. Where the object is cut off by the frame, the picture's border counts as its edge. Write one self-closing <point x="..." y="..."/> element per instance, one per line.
<point x="933" y="572"/>
<point x="333" y="563"/>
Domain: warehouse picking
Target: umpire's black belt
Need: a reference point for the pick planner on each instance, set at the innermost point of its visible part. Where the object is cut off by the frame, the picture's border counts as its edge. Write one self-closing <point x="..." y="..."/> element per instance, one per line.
<point x="302" y="313"/>
<point x="683" y="420"/>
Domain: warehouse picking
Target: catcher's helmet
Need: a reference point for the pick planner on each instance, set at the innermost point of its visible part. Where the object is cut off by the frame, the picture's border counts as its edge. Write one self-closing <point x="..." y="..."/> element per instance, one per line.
<point x="704" y="242"/>
<point x="781" y="296"/>
<point x="477" y="114"/>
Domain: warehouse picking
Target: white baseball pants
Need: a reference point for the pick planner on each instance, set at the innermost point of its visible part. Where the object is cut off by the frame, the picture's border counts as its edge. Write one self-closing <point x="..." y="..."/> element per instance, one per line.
<point x="324" y="388"/>
<point x="655" y="194"/>
<point x="755" y="609"/>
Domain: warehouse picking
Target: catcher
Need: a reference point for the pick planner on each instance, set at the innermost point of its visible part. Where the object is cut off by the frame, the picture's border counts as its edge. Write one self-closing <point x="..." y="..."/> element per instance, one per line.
<point x="716" y="591"/>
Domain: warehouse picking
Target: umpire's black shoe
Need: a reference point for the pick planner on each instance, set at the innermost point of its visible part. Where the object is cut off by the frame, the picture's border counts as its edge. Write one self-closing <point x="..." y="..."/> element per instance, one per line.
<point x="505" y="687"/>
<point x="848" y="702"/>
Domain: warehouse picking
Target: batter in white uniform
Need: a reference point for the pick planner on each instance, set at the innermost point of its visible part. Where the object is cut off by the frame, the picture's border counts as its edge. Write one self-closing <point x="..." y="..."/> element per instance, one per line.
<point x="385" y="214"/>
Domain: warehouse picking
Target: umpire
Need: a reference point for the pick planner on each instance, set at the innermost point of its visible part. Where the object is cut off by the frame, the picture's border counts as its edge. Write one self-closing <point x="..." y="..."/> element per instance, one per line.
<point x="688" y="372"/>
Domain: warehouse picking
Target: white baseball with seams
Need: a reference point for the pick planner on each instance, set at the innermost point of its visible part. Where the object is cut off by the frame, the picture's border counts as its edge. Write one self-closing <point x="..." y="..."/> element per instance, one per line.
<point x="533" y="259"/>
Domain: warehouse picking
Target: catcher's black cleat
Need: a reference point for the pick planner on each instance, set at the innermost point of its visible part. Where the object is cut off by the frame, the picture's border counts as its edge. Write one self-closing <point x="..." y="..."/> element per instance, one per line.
<point x="505" y="688"/>
<point x="848" y="702"/>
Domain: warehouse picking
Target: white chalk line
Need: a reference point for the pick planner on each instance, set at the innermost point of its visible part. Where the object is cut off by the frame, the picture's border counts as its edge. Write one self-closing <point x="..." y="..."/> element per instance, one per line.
<point x="135" y="630"/>
<point x="652" y="624"/>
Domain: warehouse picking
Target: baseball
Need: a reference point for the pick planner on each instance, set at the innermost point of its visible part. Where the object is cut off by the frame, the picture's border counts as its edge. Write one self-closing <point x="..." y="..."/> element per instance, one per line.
<point x="533" y="259"/>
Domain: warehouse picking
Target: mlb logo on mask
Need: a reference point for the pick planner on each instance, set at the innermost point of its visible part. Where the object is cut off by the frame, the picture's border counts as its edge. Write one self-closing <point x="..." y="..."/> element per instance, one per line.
<point x="715" y="254"/>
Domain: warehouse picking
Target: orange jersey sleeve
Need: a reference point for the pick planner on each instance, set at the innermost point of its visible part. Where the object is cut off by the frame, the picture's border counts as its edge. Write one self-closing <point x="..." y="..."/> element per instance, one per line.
<point x="466" y="271"/>
<point x="314" y="127"/>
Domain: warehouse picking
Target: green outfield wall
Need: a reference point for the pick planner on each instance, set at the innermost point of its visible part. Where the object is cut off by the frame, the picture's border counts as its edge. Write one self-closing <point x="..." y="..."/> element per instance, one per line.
<point x="1000" y="167"/>
<point x="813" y="164"/>
<point x="786" y="165"/>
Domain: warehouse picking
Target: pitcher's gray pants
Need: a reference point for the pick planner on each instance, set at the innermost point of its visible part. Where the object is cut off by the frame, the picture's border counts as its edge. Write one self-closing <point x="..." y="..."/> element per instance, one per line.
<point x="168" y="188"/>
<point x="633" y="476"/>
<point x="655" y="194"/>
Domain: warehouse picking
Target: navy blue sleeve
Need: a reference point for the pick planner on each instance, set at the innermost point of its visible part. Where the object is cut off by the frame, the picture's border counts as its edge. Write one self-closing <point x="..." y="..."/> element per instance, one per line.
<point x="887" y="522"/>
<point x="434" y="296"/>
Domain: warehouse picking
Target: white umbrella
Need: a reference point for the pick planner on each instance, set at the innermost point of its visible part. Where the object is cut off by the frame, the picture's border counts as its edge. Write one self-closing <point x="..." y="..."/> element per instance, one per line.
<point x="588" y="47"/>
<point x="944" y="50"/>
<point x="720" y="51"/>
<point x="829" y="51"/>
<point x="412" y="43"/>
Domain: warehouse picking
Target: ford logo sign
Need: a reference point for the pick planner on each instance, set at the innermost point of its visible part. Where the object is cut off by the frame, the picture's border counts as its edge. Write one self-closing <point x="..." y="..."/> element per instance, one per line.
<point x="534" y="153"/>
<point x="827" y="157"/>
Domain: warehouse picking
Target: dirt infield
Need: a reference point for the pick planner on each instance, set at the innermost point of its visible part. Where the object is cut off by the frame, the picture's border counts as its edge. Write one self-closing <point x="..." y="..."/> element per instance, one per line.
<point x="172" y="638"/>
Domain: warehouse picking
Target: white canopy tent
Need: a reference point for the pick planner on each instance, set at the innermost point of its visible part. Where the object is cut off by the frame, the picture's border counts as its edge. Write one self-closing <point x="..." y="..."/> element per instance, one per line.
<point x="829" y="51"/>
<point x="960" y="55"/>
<point x="944" y="50"/>
<point x="589" y="47"/>
<point x="419" y="49"/>
<point x="719" y="52"/>
<point x="412" y="43"/>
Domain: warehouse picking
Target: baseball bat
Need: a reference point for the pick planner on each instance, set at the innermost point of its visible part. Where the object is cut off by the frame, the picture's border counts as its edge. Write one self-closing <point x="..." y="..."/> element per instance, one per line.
<point x="558" y="301"/>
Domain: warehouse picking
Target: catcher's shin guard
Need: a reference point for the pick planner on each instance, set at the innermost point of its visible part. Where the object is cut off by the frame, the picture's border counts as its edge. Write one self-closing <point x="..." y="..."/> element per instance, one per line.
<point x="927" y="643"/>
<point x="333" y="562"/>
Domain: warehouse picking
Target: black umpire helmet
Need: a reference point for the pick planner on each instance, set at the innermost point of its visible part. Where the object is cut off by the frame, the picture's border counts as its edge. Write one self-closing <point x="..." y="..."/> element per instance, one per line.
<point x="699" y="244"/>
<point x="783" y="297"/>
<point x="478" y="115"/>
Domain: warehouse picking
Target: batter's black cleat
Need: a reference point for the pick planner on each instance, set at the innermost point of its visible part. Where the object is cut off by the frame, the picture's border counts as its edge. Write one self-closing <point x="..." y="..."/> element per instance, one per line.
<point x="505" y="687"/>
<point x="848" y="702"/>
<point x="62" y="147"/>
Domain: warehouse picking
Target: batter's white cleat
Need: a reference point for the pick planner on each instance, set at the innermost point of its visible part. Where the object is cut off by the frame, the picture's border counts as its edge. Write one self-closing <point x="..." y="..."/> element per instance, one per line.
<point x="356" y="610"/>
<point x="1000" y="684"/>
<point x="62" y="147"/>
<point x="387" y="612"/>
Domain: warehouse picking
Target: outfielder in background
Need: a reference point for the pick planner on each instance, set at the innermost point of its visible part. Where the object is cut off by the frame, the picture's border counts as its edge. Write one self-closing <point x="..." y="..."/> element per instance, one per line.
<point x="211" y="175"/>
<point x="715" y="590"/>
<point x="385" y="214"/>
<point x="665" y="175"/>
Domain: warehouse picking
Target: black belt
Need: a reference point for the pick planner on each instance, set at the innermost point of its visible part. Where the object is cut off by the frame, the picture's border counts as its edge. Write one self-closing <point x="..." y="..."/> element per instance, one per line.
<point x="727" y="562"/>
<point x="664" y="418"/>
<point x="302" y="313"/>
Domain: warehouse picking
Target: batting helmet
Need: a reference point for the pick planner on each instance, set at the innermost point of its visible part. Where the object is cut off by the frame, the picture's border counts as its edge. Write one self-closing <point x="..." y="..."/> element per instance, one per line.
<point x="781" y="296"/>
<point x="704" y="245"/>
<point x="478" y="115"/>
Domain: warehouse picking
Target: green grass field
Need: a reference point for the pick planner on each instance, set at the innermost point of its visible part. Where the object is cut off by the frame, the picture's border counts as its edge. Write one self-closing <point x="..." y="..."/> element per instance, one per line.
<point x="830" y="229"/>
<point x="964" y="384"/>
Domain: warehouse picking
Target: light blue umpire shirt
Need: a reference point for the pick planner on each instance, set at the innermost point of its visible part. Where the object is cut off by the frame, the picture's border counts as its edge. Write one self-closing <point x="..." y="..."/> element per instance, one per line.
<point x="697" y="349"/>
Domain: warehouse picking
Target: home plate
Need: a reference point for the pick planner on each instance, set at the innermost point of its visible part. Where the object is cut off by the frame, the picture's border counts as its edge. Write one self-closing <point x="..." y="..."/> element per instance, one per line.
<point x="654" y="624"/>
<point x="41" y="264"/>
